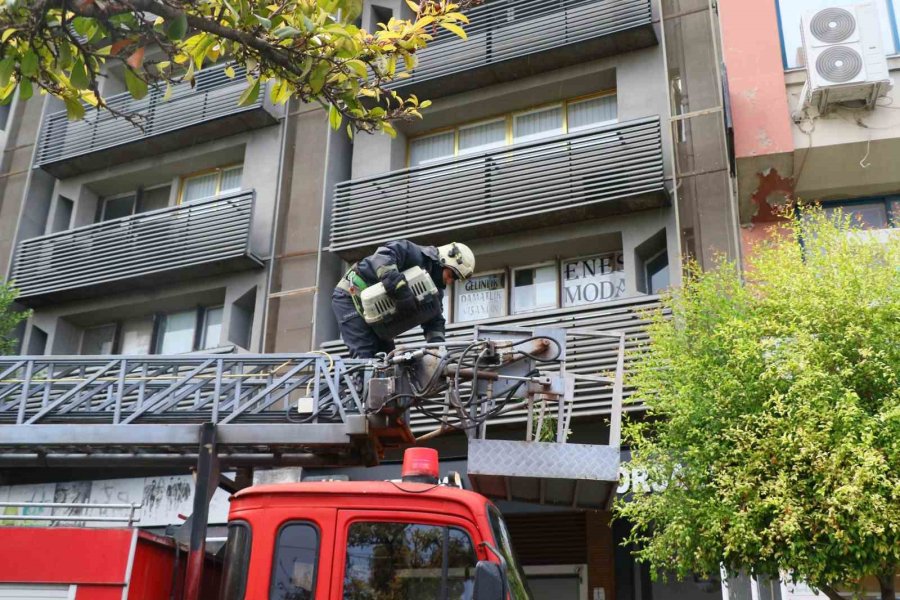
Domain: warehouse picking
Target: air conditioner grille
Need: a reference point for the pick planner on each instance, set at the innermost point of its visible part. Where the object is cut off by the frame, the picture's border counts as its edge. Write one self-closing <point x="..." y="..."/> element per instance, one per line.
<point x="839" y="64"/>
<point x="833" y="25"/>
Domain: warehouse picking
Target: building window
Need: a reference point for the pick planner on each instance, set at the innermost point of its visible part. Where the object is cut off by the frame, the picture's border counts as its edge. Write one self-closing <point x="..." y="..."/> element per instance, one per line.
<point x="525" y="126"/>
<point x="211" y="183"/>
<point x="173" y="332"/>
<point x="562" y="283"/>
<point x="480" y="297"/>
<point x="592" y="279"/>
<point x="212" y="328"/>
<point x="656" y="271"/>
<point x="790" y="13"/>
<point x="869" y="213"/>
<point x="138" y="201"/>
<point x="535" y="288"/>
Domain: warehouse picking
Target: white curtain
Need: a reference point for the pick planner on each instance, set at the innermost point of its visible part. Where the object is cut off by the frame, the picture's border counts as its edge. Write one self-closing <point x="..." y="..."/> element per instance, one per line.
<point x="432" y="148"/>
<point x="538" y="124"/>
<point x="593" y="112"/>
<point x="483" y="136"/>
<point x="200" y="187"/>
<point x="231" y="179"/>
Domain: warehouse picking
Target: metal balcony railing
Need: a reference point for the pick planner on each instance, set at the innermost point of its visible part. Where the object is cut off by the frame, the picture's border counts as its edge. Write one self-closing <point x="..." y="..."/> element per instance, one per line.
<point x="501" y="31"/>
<point x="506" y="185"/>
<point x="584" y="356"/>
<point x="96" y="408"/>
<point x="213" y="97"/>
<point x="213" y="234"/>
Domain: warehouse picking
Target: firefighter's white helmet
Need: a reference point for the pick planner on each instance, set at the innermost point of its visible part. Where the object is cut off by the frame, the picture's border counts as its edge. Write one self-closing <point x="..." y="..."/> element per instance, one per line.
<point x="458" y="258"/>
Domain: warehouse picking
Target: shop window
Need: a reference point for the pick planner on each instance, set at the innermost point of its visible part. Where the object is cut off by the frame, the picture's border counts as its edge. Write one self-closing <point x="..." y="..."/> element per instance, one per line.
<point x="212" y="183"/>
<point x="592" y="279"/>
<point x="535" y="288"/>
<point x="294" y="564"/>
<point x="407" y="560"/>
<point x="790" y="13"/>
<point x="480" y="297"/>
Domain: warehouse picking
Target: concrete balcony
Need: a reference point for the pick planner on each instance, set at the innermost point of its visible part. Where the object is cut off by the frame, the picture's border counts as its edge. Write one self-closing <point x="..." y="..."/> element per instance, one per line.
<point x="511" y="39"/>
<point x="586" y="356"/>
<point x="600" y="172"/>
<point x="145" y="250"/>
<point x="193" y="115"/>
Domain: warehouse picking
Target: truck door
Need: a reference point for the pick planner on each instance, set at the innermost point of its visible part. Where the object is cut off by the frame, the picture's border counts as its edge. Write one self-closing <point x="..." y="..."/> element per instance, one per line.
<point x="383" y="555"/>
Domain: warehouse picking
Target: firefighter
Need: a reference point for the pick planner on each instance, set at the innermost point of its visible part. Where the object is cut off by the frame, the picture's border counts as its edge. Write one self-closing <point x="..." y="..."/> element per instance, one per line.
<point x="444" y="264"/>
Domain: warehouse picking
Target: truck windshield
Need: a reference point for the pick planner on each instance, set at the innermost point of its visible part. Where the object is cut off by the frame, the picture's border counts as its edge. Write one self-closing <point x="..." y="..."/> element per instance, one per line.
<point x="237" y="559"/>
<point x="518" y="585"/>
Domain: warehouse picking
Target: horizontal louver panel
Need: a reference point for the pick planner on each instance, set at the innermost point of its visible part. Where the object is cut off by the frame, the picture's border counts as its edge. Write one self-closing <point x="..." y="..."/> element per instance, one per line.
<point x="505" y="184"/>
<point x="213" y="95"/>
<point x="502" y="30"/>
<point x="589" y="356"/>
<point x="164" y="240"/>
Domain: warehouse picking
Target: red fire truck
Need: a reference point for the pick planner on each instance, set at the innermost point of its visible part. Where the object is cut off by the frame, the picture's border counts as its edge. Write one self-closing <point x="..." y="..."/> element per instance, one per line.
<point x="406" y="539"/>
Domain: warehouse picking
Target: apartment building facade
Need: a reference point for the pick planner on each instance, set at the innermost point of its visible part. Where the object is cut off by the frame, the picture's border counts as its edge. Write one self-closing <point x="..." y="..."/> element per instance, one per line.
<point x="786" y="149"/>
<point x="580" y="147"/>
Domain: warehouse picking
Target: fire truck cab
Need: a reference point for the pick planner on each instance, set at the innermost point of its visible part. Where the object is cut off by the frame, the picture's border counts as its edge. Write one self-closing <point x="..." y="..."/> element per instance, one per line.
<point x="368" y="540"/>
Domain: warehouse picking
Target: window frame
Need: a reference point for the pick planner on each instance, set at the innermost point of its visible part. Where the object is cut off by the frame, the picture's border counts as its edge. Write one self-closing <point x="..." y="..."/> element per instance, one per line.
<point x="204" y="324"/>
<point x="278" y="533"/>
<point x="182" y="181"/>
<point x="893" y="221"/>
<point x="138" y="198"/>
<point x="512" y="286"/>
<point x="510" y="125"/>
<point x="648" y="275"/>
<point x="447" y="522"/>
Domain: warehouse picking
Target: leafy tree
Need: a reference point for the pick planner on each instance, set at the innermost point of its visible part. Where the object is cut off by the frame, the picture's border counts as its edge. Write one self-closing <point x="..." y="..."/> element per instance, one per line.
<point x="307" y="49"/>
<point x="774" y="413"/>
<point x="9" y="318"/>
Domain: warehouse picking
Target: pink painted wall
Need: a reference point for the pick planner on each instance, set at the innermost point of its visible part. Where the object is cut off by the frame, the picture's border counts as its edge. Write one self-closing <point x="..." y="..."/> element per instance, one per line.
<point x="752" y="52"/>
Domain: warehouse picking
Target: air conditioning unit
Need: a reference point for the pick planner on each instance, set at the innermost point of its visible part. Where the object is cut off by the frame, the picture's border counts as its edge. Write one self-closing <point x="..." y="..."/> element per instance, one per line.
<point x="845" y="60"/>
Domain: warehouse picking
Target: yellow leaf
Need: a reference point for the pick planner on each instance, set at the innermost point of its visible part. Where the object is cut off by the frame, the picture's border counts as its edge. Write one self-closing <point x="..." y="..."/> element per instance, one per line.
<point x="455" y="29"/>
<point x="229" y="72"/>
<point x="7" y="34"/>
<point x="413" y="6"/>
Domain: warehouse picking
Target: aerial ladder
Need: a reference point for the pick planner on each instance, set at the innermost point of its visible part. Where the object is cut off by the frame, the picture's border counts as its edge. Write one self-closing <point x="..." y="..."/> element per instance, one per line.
<point x="216" y="412"/>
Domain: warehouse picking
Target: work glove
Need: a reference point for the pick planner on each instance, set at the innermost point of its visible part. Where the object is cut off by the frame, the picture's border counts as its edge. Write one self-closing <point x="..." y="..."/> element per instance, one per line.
<point x="398" y="289"/>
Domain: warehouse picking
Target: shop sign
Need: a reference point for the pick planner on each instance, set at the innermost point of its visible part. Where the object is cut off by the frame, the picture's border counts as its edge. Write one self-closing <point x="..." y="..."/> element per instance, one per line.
<point x="593" y="279"/>
<point x="481" y="297"/>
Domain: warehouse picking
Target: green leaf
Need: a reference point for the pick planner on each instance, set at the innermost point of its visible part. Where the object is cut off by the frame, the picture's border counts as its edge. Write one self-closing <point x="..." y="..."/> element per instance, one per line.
<point x="317" y="76"/>
<point x="82" y="25"/>
<point x="137" y="87"/>
<point x="286" y="32"/>
<point x="177" y="28"/>
<point x="251" y="94"/>
<point x="358" y="67"/>
<point x="79" y="76"/>
<point x="168" y="94"/>
<point x="7" y="65"/>
<point x="74" y="109"/>
<point x="26" y="90"/>
<point x="229" y="72"/>
<point x="334" y="117"/>
<point x="266" y="23"/>
<point x="29" y="63"/>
